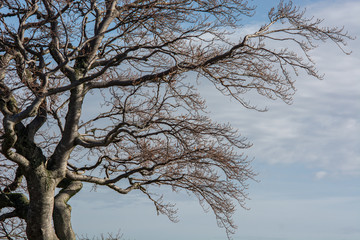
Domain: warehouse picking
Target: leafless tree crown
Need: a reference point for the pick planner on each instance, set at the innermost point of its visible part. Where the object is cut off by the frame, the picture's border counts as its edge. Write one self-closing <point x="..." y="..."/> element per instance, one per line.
<point x="105" y="92"/>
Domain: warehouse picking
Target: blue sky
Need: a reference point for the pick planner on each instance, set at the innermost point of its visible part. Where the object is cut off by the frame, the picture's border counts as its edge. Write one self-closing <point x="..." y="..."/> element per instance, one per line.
<point x="307" y="156"/>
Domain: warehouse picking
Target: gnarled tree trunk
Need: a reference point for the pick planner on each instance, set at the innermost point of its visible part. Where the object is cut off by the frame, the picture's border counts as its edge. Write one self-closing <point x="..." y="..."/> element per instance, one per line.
<point x="62" y="210"/>
<point x="41" y="187"/>
<point x="147" y="125"/>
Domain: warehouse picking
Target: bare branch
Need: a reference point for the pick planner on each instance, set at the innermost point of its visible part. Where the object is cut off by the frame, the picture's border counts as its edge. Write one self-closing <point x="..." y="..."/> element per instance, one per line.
<point x="106" y="92"/>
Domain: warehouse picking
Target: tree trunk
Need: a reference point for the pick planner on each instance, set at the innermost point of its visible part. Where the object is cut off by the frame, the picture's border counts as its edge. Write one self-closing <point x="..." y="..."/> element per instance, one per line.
<point x="41" y="186"/>
<point x="62" y="211"/>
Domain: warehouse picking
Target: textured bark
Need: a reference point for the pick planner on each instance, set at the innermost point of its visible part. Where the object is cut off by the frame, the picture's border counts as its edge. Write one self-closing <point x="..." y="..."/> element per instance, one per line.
<point x="16" y="200"/>
<point x="41" y="187"/>
<point x="152" y="128"/>
<point x="62" y="211"/>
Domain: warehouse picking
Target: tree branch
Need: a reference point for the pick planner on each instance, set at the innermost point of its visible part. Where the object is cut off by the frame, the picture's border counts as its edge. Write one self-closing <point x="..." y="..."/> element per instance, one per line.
<point x="62" y="210"/>
<point x="15" y="200"/>
<point x="5" y="216"/>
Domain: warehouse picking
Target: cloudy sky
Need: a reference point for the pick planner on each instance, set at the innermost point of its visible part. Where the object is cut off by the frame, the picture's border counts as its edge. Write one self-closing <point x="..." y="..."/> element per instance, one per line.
<point x="307" y="155"/>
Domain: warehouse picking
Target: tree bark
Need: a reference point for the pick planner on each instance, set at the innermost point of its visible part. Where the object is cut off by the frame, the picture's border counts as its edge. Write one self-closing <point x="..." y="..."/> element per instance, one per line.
<point x="41" y="186"/>
<point x="62" y="211"/>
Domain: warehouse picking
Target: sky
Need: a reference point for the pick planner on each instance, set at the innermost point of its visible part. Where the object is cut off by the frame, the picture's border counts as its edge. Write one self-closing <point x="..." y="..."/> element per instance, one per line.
<point x="307" y="156"/>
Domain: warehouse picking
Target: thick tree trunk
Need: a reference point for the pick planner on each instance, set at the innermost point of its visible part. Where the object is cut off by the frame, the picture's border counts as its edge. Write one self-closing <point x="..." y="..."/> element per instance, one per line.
<point x="41" y="188"/>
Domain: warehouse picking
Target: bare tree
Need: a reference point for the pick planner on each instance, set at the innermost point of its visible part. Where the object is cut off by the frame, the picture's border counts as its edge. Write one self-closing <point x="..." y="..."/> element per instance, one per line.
<point x="141" y="60"/>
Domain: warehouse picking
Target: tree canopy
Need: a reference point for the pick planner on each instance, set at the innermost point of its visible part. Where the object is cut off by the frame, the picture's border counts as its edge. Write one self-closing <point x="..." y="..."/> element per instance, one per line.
<point x="106" y="92"/>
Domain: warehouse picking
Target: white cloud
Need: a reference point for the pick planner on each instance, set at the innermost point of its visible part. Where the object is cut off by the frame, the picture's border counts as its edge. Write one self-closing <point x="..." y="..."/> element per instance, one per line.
<point x="344" y="13"/>
<point x="321" y="129"/>
<point x="321" y="174"/>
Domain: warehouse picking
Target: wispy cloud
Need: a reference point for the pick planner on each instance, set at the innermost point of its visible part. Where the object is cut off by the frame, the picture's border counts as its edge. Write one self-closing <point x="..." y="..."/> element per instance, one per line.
<point x="321" y="174"/>
<point x="321" y="129"/>
<point x="320" y="132"/>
